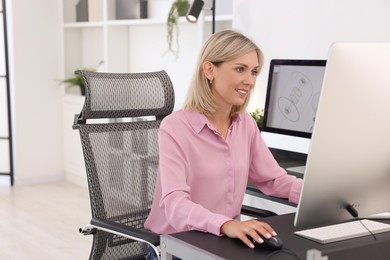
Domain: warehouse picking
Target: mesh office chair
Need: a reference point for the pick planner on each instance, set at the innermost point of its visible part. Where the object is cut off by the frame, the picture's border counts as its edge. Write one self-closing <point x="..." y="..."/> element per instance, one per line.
<point x="121" y="158"/>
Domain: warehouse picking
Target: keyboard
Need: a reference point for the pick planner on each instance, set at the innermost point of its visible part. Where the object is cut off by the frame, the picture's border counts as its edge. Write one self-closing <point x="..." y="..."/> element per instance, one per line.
<point x="343" y="231"/>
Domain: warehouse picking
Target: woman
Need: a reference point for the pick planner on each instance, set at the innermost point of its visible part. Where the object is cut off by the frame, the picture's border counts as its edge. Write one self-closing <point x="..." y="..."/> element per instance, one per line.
<point x="210" y="149"/>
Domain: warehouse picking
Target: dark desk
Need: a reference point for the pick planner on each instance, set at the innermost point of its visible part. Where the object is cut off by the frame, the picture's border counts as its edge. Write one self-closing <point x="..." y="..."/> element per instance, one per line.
<point x="198" y="245"/>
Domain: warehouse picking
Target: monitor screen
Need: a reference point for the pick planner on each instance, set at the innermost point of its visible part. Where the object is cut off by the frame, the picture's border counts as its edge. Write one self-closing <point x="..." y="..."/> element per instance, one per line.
<point x="348" y="164"/>
<point x="292" y="96"/>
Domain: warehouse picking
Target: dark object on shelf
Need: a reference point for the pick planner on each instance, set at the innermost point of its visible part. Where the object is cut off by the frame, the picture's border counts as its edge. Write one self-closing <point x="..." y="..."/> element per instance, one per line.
<point x="82" y="11"/>
<point x="131" y="9"/>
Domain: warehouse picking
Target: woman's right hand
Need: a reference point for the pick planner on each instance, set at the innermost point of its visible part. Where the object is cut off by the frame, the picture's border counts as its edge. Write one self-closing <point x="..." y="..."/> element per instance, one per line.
<point x="247" y="230"/>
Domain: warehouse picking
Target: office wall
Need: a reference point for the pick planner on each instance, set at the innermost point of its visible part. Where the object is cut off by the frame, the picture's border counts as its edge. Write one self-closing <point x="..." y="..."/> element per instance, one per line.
<point x="35" y="49"/>
<point x="284" y="29"/>
<point x="305" y="29"/>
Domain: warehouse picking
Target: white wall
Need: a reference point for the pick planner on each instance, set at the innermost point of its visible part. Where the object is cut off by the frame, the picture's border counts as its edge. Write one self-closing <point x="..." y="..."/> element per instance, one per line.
<point x="283" y="29"/>
<point x="305" y="29"/>
<point x="35" y="49"/>
<point x="179" y="69"/>
<point x="36" y="52"/>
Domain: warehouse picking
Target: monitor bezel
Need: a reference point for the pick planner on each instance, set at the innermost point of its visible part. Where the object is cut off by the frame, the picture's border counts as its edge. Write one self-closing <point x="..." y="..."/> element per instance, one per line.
<point x="287" y="62"/>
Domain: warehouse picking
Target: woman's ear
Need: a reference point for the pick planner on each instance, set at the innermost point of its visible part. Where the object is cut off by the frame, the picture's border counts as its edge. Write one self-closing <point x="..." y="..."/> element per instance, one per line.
<point x="208" y="70"/>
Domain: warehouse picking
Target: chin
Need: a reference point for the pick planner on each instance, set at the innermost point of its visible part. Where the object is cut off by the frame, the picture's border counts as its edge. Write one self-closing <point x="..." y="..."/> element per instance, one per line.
<point x="239" y="102"/>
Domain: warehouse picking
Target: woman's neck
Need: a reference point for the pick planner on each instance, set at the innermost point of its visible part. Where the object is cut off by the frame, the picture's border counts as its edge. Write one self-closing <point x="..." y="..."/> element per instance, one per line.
<point x="221" y="121"/>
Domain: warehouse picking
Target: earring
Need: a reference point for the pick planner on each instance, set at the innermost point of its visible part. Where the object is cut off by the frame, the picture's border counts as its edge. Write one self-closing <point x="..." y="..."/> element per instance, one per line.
<point x="211" y="81"/>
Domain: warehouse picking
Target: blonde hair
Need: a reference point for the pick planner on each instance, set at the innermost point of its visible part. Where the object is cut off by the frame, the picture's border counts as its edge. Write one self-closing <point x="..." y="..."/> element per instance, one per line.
<point x="223" y="46"/>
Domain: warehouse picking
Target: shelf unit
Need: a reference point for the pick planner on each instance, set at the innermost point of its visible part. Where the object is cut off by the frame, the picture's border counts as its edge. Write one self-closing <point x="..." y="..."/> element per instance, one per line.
<point x="133" y="45"/>
<point x="107" y="39"/>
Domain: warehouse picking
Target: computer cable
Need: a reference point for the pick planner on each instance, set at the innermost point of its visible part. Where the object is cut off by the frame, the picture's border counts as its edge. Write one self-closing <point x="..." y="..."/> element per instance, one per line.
<point x="371" y="233"/>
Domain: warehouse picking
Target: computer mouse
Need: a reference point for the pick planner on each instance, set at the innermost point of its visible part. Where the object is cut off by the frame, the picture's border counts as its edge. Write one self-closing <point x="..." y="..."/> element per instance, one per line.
<point x="273" y="243"/>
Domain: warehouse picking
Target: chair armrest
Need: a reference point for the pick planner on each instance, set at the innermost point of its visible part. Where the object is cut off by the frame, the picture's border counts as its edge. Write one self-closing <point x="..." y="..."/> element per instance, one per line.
<point x="256" y="212"/>
<point x="137" y="234"/>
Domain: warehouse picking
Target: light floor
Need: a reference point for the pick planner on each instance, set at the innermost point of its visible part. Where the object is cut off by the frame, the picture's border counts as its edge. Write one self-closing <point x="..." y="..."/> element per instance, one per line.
<point x="42" y="222"/>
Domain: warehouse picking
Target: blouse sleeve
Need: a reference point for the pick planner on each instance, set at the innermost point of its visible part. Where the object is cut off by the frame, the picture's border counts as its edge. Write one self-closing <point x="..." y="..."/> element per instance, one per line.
<point x="266" y="174"/>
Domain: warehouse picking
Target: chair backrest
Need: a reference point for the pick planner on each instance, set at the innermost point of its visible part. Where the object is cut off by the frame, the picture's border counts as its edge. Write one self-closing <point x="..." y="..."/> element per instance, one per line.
<point x="120" y="148"/>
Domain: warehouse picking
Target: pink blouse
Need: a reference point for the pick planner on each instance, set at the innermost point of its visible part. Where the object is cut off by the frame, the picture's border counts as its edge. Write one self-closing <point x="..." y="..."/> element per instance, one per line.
<point x="202" y="177"/>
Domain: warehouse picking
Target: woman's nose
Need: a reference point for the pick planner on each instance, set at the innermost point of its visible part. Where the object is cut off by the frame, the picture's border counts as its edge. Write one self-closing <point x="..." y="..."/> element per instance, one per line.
<point x="250" y="79"/>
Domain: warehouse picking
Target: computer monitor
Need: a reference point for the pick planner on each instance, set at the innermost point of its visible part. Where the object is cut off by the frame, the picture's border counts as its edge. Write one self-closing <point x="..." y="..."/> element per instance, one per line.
<point x="292" y="96"/>
<point x="348" y="165"/>
<point x="293" y="91"/>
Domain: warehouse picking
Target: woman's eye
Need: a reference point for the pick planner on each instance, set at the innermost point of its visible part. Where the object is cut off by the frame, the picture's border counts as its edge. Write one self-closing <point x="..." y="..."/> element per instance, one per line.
<point x="255" y="73"/>
<point x="240" y="69"/>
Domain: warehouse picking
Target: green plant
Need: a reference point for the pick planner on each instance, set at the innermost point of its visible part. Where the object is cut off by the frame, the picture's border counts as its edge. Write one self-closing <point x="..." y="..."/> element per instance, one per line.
<point x="258" y="115"/>
<point x="178" y="8"/>
<point x="75" y="81"/>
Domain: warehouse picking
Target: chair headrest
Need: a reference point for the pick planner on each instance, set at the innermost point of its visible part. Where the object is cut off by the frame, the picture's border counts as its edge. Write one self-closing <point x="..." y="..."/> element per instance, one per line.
<point x="117" y="95"/>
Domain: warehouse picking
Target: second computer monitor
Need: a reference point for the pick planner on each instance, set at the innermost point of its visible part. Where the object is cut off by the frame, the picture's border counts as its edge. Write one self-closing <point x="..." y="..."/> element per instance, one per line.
<point x="293" y="91"/>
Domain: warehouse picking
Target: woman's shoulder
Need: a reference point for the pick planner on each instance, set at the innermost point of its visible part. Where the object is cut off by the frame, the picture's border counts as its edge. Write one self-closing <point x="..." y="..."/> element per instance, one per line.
<point x="246" y="118"/>
<point x="184" y="119"/>
<point x="247" y="123"/>
<point x="176" y="118"/>
<point x="183" y="114"/>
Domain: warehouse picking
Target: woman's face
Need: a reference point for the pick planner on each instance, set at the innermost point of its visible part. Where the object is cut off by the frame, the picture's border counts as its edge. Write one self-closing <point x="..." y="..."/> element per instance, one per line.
<point x="233" y="80"/>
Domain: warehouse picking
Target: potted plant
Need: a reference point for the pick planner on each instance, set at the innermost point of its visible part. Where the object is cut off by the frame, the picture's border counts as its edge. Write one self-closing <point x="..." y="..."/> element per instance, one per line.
<point x="258" y="116"/>
<point x="75" y="81"/>
<point x="178" y="8"/>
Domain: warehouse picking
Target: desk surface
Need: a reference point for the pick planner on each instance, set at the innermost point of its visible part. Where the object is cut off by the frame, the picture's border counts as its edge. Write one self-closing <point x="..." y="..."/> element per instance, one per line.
<point x="226" y="248"/>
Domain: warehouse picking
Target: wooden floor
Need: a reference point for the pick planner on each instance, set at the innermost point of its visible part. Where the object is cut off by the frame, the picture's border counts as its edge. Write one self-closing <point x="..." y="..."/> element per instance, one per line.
<point x="42" y="222"/>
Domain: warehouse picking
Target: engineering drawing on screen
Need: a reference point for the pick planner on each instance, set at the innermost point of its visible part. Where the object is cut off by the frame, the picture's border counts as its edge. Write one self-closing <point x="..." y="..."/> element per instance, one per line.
<point x="295" y="97"/>
<point x="301" y="93"/>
